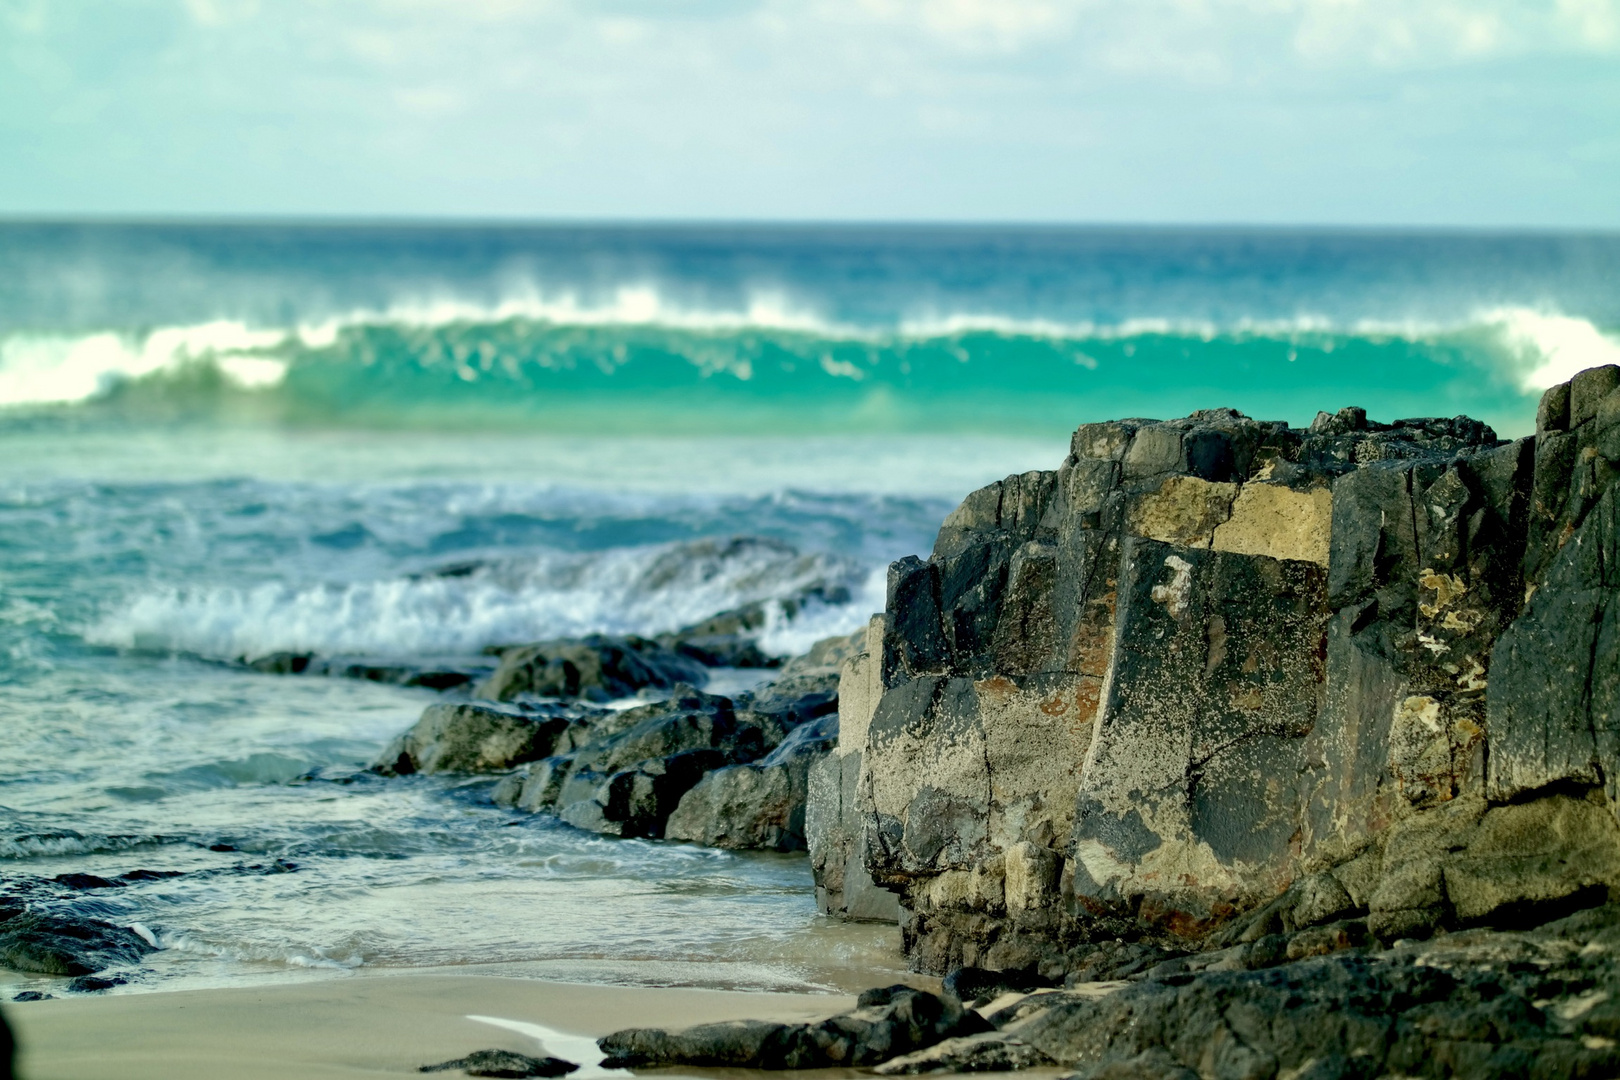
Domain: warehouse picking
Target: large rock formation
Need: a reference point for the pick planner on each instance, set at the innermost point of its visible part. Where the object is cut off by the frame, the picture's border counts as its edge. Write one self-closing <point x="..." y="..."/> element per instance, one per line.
<point x="1214" y="679"/>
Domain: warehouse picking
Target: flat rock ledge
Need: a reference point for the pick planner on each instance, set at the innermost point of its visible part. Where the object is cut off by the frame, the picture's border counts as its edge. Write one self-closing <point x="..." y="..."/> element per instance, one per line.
<point x="504" y="1063"/>
<point x="1486" y="1004"/>
<point x="887" y="1022"/>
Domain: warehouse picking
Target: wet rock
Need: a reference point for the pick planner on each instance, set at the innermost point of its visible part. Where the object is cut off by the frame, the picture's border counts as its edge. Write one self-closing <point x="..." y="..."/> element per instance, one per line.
<point x="598" y="667"/>
<point x="504" y="1063"/>
<point x="758" y="805"/>
<point x="53" y="944"/>
<point x="887" y="1023"/>
<point x="33" y="995"/>
<point x="978" y="985"/>
<point x="95" y="984"/>
<point x="484" y="737"/>
<point x="280" y="663"/>
<point x="729" y="639"/>
<point x="85" y="881"/>
<point x="728" y="773"/>
<point x="447" y="674"/>
<point x="629" y="777"/>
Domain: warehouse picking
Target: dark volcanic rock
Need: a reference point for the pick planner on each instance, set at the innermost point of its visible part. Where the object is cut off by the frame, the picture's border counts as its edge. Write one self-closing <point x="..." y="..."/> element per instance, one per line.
<point x="483" y="737"/>
<point x="757" y="805"/>
<point x="631" y="775"/>
<point x="598" y="667"/>
<point x="1221" y="685"/>
<point x="65" y="944"/>
<point x="887" y="1023"/>
<point x="1480" y="1004"/>
<point x="504" y="1063"/>
<point x="988" y="1051"/>
<point x="974" y="985"/>
<point x="721" y="771"/>
<point x="444" y="675"/>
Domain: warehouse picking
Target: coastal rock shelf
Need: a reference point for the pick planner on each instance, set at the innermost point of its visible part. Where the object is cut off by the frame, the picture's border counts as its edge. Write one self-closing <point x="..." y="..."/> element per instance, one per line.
<point x="1215" y="682"/>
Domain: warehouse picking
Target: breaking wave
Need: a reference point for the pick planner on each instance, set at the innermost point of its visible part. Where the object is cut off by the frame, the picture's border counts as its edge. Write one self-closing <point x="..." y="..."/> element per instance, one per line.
<point x="635" y="361"/>
<point x="460" y="609"/>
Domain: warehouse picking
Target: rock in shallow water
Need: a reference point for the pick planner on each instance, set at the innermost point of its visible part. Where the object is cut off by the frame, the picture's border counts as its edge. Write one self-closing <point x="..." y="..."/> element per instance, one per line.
<point x="64" y="944"/>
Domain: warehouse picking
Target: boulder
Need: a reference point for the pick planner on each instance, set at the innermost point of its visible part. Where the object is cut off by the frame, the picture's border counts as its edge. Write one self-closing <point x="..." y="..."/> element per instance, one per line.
<point x="60" y="944"/>
<point x="720" y="771"/>
<point x="482" y="737"/>
<point x="597" y="668"/>
<point x="988" y="1051"/>
<point x="757" y="805"/>
<point x="630" y="774"/>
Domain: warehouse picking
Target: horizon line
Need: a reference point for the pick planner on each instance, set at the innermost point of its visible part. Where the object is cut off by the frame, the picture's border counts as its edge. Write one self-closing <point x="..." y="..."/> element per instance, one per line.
<point x="361" y="221"/>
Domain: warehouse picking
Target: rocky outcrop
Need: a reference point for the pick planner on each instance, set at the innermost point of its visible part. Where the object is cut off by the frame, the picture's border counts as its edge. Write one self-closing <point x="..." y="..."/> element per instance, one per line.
<point x="1216" y="679"/>
<point x="629" y="779"/>
<point x="1325" y="1004"/>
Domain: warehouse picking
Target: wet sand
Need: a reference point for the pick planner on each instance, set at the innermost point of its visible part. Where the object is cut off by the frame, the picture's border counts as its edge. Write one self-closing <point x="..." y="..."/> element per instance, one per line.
<point x="368" y="1025"/>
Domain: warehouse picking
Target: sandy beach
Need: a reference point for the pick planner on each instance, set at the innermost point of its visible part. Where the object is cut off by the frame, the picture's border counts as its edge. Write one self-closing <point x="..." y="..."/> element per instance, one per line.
<point x="361" y="1026"/>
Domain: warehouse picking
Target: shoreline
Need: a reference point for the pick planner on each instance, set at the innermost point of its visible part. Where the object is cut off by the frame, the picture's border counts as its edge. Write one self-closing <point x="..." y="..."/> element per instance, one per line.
<point x="367" y="1025"/>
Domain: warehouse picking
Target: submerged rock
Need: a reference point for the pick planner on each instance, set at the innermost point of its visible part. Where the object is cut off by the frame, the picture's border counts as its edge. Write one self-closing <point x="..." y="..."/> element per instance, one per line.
<point x="504" y="1063"/>
<point x="886" y="1023"/>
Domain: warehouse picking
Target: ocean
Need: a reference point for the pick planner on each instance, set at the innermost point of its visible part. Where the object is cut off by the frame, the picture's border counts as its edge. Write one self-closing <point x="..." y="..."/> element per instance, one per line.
<point x="398" y="442"/>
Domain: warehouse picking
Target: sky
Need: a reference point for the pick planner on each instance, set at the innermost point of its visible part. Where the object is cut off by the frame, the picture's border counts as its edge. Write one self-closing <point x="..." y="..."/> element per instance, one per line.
<point x="1491" y="113"/>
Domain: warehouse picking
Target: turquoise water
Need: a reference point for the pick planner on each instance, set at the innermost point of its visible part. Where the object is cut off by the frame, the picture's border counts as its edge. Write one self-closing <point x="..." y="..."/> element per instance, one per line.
<point x="222" y="441"/>
<point x="770" y="330"/>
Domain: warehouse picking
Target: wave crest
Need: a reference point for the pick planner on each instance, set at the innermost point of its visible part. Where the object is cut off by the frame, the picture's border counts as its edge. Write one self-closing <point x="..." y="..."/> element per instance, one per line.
<point x="461" y="609"/>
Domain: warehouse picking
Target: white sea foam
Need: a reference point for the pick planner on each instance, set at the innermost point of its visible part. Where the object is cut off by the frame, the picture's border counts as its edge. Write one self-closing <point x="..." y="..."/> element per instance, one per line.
<point x="39" y="369"/>
<point x="644" y="590"/>
<point x="1550" y="347"/>
<point x="56" y="844"/>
